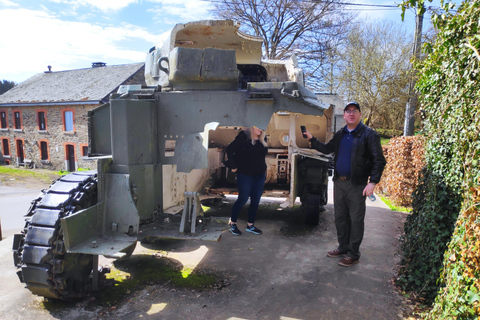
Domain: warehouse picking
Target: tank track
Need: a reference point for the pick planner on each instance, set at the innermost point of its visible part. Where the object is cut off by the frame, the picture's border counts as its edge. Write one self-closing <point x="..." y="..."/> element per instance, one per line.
<point x="39" y="251"/>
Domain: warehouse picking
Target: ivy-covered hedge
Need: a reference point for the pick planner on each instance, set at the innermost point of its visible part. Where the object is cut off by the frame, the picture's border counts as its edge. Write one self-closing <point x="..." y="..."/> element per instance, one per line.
<point x="459" y="297"/>
<point x="449" y="83"/>
<point x="427" y="232"/>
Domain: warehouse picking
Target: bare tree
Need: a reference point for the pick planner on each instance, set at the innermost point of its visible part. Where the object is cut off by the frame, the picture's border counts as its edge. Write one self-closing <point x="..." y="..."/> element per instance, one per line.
<point x="323" y="63"/>
<point x="287" y="26"/>
<point x="376" y="71"/>
<point x="365" y="61"/>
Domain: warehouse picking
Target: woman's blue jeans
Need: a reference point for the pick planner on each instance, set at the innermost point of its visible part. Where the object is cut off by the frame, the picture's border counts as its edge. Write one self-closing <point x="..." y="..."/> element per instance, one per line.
<point x="248" y="187"/>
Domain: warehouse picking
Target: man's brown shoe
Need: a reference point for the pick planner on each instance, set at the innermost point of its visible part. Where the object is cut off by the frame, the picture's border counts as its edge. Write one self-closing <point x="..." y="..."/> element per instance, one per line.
<point x="348" y="262"/>
<point x="335" y="253"/>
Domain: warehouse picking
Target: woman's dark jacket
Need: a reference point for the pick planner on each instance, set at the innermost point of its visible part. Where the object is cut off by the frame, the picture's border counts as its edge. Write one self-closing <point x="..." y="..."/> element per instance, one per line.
<point x="247" y="158"/>
<point x="367" y="153"/>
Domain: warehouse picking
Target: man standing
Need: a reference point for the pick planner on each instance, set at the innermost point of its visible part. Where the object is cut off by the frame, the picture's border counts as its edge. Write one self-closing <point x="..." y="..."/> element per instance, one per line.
<point x="359" y="164"/>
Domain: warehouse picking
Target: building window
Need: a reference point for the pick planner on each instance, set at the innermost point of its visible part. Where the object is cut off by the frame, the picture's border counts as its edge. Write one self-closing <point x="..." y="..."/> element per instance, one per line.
<point x="3" y="120"/>
<point x="20" y="154"/>
<point x="42" y="120"/>
<point x="68" y="120"/>
<point x="5" y="147"/>
<point x="70" y="157"/>
<point x="44" y="150"/>
<point x="84" y="149"/>
<point x="17" y="117"/>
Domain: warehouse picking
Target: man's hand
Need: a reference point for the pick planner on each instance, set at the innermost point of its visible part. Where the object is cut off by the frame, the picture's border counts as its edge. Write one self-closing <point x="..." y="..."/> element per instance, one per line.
<point x="368" y="191"/>
<point x="234" y="170"/>
<point x="309" y="135"/>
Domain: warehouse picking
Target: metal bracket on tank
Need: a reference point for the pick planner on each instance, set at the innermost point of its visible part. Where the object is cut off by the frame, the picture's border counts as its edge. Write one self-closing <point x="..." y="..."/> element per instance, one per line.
<point x="191" y="209"/>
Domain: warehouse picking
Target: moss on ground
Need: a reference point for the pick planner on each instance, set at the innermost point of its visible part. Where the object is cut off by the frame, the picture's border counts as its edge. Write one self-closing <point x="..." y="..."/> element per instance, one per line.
<point x="143" y="270"/>
<point x="137" y="273"/>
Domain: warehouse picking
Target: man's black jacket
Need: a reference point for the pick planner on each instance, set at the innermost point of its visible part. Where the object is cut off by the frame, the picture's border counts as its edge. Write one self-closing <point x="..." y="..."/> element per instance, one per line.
<point x="367" y="153"/>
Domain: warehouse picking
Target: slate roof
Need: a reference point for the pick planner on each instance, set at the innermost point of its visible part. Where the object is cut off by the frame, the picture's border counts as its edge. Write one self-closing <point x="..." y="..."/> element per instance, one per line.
<point x="90" y="85"/>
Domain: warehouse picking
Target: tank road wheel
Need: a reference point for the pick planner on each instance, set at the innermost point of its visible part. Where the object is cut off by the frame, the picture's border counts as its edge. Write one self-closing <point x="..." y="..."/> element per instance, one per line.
<point x="39" y="251"/>
<point x="312" y="208"/>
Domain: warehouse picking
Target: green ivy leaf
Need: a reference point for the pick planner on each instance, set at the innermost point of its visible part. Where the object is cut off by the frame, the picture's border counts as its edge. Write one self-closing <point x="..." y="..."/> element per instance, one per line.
<point x="472" y="297"/>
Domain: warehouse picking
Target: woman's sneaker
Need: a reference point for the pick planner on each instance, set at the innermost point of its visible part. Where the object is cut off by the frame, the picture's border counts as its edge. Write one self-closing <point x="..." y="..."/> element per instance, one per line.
<point x="253" y="229"/>
<point x="234" y="230"/>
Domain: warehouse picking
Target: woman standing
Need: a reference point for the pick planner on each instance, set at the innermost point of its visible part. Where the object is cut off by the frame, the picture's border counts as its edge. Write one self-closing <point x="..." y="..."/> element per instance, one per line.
<point x="246" y="157"/>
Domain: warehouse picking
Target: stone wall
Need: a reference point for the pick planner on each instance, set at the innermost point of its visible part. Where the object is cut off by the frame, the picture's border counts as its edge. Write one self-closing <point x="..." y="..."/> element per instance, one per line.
<point x="55" y="136"/>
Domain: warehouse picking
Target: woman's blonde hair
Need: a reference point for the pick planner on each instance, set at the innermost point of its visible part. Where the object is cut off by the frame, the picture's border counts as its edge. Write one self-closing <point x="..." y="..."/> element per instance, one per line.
<point x="261" y="138"/>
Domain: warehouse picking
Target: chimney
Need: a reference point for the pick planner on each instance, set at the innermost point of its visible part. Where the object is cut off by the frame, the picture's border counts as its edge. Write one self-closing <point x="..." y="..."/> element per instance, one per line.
<point x="49" y="69"/>
<point x="98" y="64"/>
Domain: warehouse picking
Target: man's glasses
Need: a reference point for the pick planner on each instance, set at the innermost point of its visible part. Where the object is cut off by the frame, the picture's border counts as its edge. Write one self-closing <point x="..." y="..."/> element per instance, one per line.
<point x="354" y="111"/>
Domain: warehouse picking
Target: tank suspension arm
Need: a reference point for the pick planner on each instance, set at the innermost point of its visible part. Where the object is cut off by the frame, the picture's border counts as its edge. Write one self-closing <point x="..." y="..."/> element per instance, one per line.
<point x="191" y="210"/>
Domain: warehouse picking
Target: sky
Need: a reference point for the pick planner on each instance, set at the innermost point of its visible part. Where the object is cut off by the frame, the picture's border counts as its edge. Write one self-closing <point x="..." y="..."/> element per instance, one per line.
<point x="71" y="34"/>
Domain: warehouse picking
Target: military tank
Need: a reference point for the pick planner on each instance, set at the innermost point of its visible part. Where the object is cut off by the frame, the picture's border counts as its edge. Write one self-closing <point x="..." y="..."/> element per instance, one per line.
<point x="159" y="149"/>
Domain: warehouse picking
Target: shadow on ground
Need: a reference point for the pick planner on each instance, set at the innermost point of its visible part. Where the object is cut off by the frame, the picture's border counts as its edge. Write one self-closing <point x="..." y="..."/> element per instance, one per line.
<point x="283" y="273"/>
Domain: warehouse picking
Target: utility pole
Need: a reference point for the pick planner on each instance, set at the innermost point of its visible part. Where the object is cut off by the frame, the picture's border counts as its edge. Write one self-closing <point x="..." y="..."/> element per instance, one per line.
<point x="408" y="129"/>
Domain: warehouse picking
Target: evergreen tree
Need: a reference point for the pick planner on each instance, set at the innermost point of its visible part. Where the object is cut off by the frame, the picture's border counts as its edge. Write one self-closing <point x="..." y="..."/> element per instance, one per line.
<point x="6" y="85"/>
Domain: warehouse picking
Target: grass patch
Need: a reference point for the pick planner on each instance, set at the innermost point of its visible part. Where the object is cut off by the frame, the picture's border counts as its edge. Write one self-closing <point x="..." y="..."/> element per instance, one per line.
<point x="387" y="134"/>
<point x="384" y="141"/>
<point x="36" y="178"/>
<point x="9" y="172"/>
<point x="393" y="206"/>
<point x="390" y="133"/>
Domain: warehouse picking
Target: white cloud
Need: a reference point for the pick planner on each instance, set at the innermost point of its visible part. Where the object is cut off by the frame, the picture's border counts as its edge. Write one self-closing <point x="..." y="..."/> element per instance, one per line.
<point x="8" y="3"/>
<point x="38" y="40"/>
<point x="104" y="5"/>
<point x="182" y="10"/>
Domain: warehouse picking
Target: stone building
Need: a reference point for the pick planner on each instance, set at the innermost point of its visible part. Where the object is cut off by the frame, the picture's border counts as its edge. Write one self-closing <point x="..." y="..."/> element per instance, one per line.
<point x="43" y="120"/>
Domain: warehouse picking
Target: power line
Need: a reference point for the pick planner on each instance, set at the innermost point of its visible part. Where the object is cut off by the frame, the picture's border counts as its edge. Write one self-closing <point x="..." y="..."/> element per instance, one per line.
<point x="319" y="1"/>
<point x="373" y="7"/>
<point x="363" y="4"/>
<point x="380" y="9"/>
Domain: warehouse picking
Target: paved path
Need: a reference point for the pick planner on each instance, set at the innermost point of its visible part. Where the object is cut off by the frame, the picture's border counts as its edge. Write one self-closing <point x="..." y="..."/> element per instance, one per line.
<point x="14" y="203"/>
<point x="282" y="274"/>
<point x="15" y="301"/>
